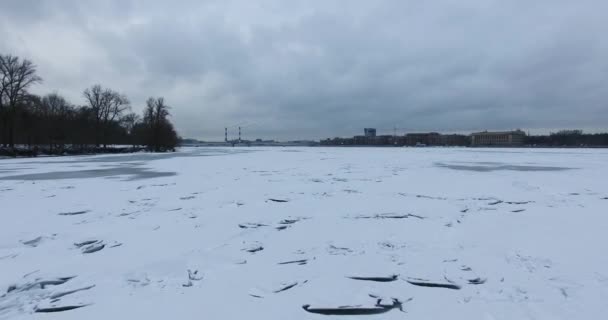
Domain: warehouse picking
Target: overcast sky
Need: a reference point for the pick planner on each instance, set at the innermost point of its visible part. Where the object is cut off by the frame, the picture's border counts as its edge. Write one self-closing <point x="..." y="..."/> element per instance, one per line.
<point x="321" y="68"/>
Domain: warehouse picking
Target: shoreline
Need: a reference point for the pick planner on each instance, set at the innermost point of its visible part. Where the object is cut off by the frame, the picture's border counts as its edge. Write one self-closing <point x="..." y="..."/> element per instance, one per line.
<point x="21" y="153"/>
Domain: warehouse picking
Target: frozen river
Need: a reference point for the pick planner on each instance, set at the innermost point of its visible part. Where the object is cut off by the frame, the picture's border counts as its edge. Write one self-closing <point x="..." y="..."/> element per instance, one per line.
<point x="257" y="233"/>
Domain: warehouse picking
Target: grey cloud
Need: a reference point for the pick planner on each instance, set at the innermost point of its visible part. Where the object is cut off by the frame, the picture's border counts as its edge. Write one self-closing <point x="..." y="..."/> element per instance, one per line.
<point x="311" y="69"/>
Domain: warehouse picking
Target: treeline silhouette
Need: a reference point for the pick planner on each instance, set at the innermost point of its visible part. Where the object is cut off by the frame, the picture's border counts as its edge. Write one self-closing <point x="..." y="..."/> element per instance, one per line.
<point x="31" y="124"/>
<point x="569" y="138"/>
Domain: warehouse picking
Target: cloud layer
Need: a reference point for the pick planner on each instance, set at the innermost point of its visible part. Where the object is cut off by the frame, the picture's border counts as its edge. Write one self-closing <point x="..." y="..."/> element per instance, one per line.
<point x="313" y="69"/>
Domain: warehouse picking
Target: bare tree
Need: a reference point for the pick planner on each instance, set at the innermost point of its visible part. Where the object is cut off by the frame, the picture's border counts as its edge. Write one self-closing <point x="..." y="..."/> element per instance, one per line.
<point x="156" y="110"/>
<point x="129" y="122"/>
<point x="55" y="111"/>
<point x="107" y="106"/>
<point x="160" y="133"/>
<point x="54" y="105"/>
<point x="16" y="76"/>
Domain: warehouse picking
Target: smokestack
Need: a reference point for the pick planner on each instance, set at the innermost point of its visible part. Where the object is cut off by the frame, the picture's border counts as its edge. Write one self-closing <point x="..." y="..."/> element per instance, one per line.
<point x="239" y="134"/>
<point x="225" y="134"/>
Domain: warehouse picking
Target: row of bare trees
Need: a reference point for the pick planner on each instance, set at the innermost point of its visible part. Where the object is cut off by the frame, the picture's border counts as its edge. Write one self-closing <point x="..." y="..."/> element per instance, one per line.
<point x="53" y="124"/>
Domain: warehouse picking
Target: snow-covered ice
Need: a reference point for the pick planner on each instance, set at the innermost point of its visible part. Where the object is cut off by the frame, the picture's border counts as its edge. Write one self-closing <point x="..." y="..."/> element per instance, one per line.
<point x="257" y="233"/>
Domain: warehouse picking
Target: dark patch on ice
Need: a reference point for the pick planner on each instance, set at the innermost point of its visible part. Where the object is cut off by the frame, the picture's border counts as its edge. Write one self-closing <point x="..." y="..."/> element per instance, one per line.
<point x="58" y="309"/>
<point x="85" y="243"/>
<point x="299" y="262"/>
<point x="288" y="221"/>
<point x="282" y="227"/>
<point x="376" y="279"/>
<point x="426" y="283"/>
<point x="278" y="200"/>
<point x="124" y="214"/>
<point x="430" y="197"/>
<point x="11" y="288"/>
<point x="93" y="248"/>
<point x="387" y="245"/>
<point x="518" y="210"/>
<point x="9" y="256"/>
<point x="251" y="225"/>
<point x="135" y="173"/>
<point x="286" y="287"/>
<point x="478" y="199"/>
<point x="30" y="273"/>
<point x="390" y="216"/>
<point x="42" y="284"/>
<point x="391" y="246"/>
<point x="495" y="203"/>
<point x="255" y="249"/>
<point x="477" y="281"/>
<point x="65" y="293"/>
<point x="333" y="250"/>
<point x="518" y="202"/>
<point x="187" y="198"/>
<point x="500" y="167"/>
<point x="379" y="308"/>
<point x="192" y="276"/>
<point x="33" y="243"/>
<point x="139" y="280"/>
<point x="74" y="213"/>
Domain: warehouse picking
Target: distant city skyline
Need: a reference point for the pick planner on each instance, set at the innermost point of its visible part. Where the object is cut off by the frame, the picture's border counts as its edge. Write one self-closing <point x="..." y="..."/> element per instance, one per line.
<point x="317" y="69"/>
<point x="253" y="135"/>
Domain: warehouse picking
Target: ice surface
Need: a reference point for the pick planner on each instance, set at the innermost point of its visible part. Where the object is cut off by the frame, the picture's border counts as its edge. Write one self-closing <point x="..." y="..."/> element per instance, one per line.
<point x="257" y="233"/>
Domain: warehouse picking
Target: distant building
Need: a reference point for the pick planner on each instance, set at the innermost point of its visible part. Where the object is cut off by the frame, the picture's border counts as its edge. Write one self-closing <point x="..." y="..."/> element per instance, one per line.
<point x="370" y="132"/>
<point x="411" y="139"/>
<point x="361" y="140"/>
<point x="455" y="140"/>
<point x="504" y="138"/>
<point x="384" y="140"/>
<point x="429" y="139"/>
